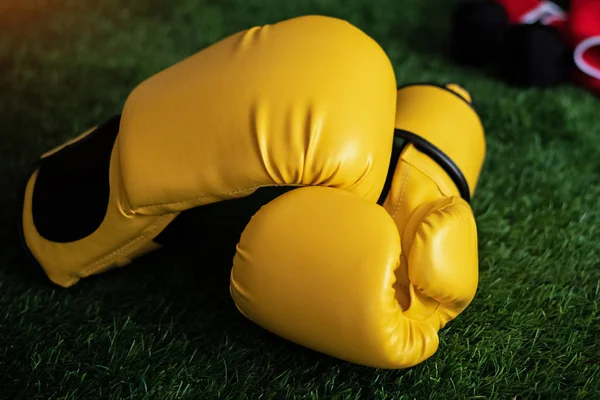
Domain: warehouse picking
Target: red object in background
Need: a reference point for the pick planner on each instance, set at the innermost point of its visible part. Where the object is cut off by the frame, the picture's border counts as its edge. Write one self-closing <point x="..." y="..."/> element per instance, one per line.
<point x="531" y="42"/>
<point x="580" y="28"/>
<point x="583" y="33"/>
<point x="532" y="11"/>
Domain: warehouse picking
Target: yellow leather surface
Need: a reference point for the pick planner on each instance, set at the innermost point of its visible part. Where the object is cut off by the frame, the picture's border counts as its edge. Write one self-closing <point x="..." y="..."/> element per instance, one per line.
<point x="438" y="273"/>
<point x="418" y="181"/>
<point x="448" y="122"/>
<point x="368" y="284"/>
<point x="306" y="101"/>
<point x="321" y="267"/>
<point x="316" y="266"/>
<point x="440" y="243"/>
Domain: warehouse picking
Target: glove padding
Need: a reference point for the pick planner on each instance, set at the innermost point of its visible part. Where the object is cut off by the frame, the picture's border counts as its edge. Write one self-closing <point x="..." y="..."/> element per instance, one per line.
<point x="327" y="269"/>
<point x="306" y="101"/>
<point x="370" y="283"/>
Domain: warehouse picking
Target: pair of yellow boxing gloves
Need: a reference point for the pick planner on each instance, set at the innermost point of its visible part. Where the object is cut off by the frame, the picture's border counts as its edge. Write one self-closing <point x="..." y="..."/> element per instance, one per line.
<point x="361" y="243"/>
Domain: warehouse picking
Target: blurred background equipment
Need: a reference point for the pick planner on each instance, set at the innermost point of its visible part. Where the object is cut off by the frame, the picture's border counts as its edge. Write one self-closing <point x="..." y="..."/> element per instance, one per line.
<point x="531" y="42"/>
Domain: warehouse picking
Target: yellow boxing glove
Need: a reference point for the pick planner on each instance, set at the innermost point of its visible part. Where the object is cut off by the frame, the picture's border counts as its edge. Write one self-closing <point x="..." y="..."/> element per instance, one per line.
<point x="308" y="101"/>
<point x="367" y="283"/>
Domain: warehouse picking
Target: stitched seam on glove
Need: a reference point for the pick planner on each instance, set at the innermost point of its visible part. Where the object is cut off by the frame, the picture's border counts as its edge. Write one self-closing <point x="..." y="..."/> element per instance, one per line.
<point x="442" y="189"/>
<point x="360" y="179"/>
<point x="398" y="203"/>
<point x="146" y="235"/>
<point x="252" y="188"/>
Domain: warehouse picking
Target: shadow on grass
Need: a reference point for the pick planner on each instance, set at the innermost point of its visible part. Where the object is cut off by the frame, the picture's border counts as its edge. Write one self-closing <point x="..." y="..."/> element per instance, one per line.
<point x="188" y="286"/>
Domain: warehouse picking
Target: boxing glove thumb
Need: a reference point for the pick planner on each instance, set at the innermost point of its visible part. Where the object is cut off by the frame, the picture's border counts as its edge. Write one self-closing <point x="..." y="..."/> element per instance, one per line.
<point x="317" y="266"/>
<point x="439" y="246"/>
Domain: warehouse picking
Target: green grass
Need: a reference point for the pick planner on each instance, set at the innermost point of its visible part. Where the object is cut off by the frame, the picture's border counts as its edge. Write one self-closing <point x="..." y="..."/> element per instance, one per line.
<point x="166" y="328"/>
